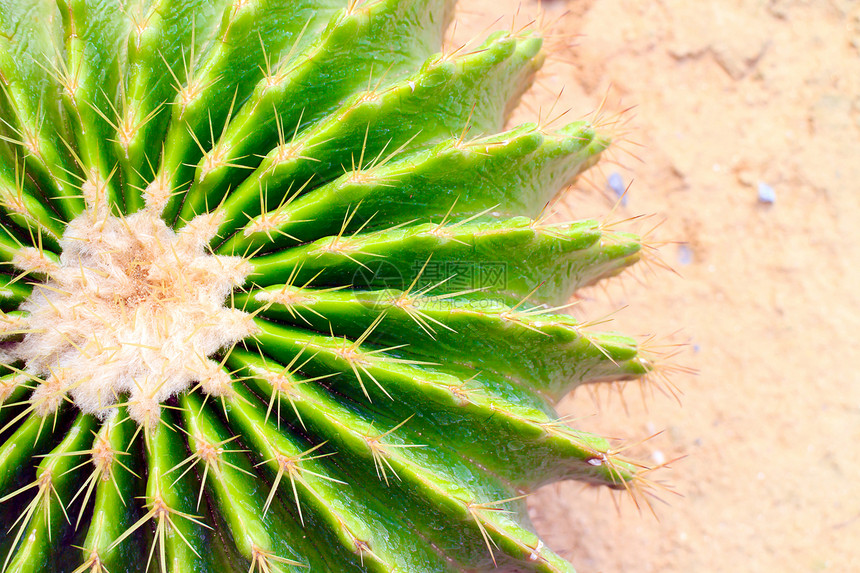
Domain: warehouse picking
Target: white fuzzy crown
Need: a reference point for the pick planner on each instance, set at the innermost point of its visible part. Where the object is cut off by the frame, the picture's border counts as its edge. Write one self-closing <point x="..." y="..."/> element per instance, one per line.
<point x="133" y="309"/>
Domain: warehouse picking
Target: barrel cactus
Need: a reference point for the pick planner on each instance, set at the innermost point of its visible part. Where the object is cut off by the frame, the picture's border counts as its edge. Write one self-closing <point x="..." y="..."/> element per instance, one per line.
<point x="278" y="292"/>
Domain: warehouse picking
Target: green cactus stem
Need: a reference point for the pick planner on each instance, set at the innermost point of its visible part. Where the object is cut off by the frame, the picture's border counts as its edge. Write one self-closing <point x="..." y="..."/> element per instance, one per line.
<point x="278" y="292"/>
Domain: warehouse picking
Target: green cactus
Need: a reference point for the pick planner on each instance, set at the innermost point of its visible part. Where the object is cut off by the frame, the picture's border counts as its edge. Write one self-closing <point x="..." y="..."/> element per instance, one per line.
<point x="277" y="291"/>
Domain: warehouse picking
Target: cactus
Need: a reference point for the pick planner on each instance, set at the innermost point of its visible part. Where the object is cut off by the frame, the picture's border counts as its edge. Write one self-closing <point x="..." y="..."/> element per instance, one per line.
<point x="278" y="292"/>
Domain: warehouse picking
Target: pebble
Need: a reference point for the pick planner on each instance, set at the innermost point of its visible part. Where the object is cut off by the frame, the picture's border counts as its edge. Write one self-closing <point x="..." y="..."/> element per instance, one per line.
<point x="685" y="254"/>
<point x="615" y="182"/>
<point x="766" y="194"/>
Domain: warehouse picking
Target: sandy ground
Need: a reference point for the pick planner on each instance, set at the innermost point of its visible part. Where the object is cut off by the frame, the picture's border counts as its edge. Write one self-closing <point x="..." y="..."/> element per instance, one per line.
<point x="734" y="98"/>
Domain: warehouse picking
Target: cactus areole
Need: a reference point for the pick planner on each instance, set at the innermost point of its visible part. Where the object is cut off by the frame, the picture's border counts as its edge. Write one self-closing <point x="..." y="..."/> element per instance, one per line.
<point x="278" y="291"/>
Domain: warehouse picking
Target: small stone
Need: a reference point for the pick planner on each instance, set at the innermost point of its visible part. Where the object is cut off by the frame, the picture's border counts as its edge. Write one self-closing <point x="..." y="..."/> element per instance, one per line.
<point x="766" y="194"/>
<point x="616" y="184"/>
<point x="685" y="254"/>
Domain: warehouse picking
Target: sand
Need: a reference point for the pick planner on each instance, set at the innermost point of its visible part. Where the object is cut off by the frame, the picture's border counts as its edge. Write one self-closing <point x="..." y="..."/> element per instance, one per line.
<point x="745" y="143"/>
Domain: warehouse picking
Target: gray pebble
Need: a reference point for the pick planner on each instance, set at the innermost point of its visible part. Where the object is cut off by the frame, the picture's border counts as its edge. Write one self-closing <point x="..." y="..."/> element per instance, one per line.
<point x="766" y="194"/>
<point x="616" y="183"/>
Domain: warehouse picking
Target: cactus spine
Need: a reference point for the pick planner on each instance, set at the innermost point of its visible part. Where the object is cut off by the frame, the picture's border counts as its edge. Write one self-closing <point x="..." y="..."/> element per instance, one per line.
<point x="277" y="293"/>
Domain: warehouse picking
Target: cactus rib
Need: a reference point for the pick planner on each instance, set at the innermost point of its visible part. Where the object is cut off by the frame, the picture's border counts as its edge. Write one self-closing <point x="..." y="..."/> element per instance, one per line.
<point x="278" y="293"/>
